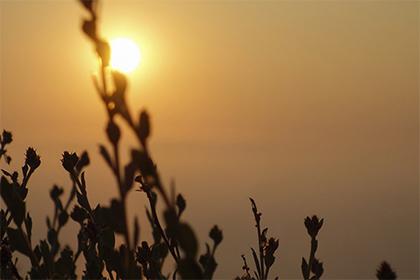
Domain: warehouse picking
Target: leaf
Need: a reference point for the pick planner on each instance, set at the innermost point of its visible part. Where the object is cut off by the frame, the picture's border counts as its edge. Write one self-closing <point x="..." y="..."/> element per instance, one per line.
<point x="81" y="199"/>
<point x="89" y="28"/>
<point x="129" y="171"/>
<point x="28" y="225"/>
<point x="257" y="263"/>
<point x="106" y="241"/>
<point x="105" y="154"/>
<point x="187" y="240"/>
<point x="53" y="240"/>
<point x="78" y="214"/>
<point x="181" y="204"/>
<point x="305" y="269"/>
<point x="189" y="269"/>
<point x="83" y="161"/>
<point x="13" y="200"/>
<point x="63" y="218"/>
<point x="18" y="241"/>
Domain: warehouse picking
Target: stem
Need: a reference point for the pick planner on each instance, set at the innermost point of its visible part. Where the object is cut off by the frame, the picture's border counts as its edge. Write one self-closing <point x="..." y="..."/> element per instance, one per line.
<point x="260" y="245"/>
<point x="162" y="233"/>
<point x="311" y="256"/>
<point x="123" y="195"/>
<point x="118" y="176"/>
<point x="32" y="256"/>
<point x="26" y="178"/>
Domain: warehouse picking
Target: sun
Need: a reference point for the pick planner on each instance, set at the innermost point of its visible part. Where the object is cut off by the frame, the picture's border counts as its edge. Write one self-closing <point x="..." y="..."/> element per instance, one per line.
<point x="125" y="55"/>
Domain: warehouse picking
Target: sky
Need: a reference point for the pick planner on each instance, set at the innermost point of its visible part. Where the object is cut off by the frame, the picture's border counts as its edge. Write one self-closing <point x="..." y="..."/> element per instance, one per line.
<point x="309" y="107"/>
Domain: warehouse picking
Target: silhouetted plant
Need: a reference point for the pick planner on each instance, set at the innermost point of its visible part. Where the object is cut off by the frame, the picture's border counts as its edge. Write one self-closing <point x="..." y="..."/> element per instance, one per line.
<point x="264" y="259"/>
<point x="385" y="272"/>
<point x="172" y="235"/>
<point x="313" y="266"/>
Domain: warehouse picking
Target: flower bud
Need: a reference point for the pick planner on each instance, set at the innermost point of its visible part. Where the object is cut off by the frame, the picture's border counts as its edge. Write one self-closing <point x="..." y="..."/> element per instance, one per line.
<point x="69" y="161"/>
<point x="6" y="137"/>
<point x="113" y="132"/>
<point x="32" y="159"/>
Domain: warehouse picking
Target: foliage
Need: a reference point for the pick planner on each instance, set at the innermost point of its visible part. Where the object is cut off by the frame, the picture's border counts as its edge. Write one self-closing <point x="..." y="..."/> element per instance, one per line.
<point x="173" y="237"/>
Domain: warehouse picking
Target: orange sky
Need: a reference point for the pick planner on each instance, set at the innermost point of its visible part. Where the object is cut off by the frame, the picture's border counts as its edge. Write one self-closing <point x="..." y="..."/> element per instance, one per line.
<point x="309" y="107"/>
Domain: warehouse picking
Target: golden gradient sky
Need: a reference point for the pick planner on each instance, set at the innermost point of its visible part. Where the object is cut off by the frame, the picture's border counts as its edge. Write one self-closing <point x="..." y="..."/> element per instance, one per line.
<point x="310" y="107"/>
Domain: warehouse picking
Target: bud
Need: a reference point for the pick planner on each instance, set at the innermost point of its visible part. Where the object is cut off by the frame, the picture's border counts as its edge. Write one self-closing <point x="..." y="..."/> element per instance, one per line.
<point x="69" y="161"/>
<point x="216" y="235"/>
<point x="32" y="159"/>
<point x="6" y="137"/>
<point x="313" y="225"/>
<point x="113" y="132"/>
<point x="56" y="192"/>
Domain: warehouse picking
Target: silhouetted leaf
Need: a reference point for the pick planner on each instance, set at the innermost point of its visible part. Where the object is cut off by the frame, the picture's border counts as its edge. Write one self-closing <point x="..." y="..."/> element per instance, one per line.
<point x="181" y="204"/>
<point x="305" y="268"/>
<point x="187" y="240"/>
<point x="82" y="200"/>
<point x="144" y="126"/>
<point x="18" y="241"/>
<point x="317" y="268"/>
<point x="89" y="28"/>
<point x="83" y="161"/>
<point x="189" y="269"/>
<point x="105" y="154"/>
<point x="257" y="263"/>
<point x="129" y="171"/>
<point x="13" y="201"/>
<point x="28" y="225"/>
<point x="63" y="218"/>
<point x="78" y="214"/>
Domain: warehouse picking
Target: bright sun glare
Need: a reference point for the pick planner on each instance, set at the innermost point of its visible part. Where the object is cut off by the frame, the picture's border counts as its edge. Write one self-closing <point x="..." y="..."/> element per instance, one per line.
<point x="125" y="55"/>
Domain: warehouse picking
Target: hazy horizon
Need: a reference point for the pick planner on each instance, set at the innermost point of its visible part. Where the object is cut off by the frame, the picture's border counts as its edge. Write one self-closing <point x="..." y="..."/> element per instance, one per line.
<point x="308" y="107"/>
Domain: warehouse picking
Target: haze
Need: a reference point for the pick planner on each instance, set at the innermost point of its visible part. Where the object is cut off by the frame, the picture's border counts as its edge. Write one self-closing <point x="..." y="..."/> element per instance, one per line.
<point x="308" y="107"/>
